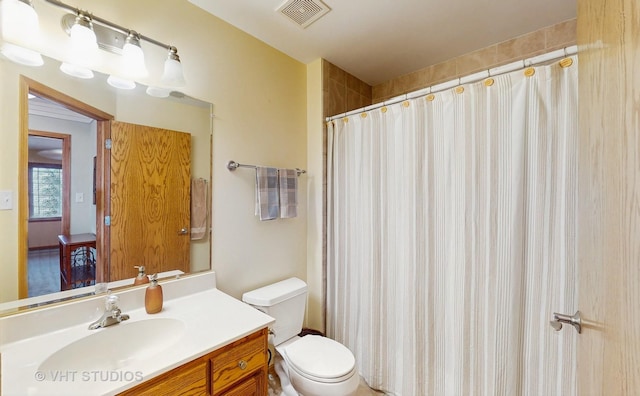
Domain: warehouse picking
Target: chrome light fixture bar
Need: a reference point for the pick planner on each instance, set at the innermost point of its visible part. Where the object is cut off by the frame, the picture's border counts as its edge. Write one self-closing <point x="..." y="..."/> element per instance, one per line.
<point x="120" y="40"/>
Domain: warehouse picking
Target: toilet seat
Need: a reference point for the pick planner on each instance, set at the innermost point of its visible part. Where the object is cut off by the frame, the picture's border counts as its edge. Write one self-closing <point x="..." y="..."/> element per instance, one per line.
<point x="320" y="359"/>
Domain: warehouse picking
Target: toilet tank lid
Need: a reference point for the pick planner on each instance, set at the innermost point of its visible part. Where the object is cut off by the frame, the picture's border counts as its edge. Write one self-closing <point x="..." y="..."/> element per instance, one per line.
<point x="277" y="292"/>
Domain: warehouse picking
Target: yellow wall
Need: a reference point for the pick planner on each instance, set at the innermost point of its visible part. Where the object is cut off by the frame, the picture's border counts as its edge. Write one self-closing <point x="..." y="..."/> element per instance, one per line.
<point x="8" y="181"/>
<point x="315" y="188"/>
<point x="259" y="97"/>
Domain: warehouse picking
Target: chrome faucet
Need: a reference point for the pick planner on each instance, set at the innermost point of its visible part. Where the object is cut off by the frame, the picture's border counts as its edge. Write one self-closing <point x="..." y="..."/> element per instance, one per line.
<point x="112" y="314"/>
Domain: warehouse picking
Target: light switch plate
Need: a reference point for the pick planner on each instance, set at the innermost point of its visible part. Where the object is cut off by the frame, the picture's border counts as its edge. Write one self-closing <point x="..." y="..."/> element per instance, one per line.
<point x="6" y="200"/>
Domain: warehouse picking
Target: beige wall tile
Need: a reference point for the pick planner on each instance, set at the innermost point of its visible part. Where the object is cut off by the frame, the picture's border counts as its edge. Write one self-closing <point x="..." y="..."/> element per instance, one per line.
<point x="476" y="61"/>
<point x="355" y="100"/>
<point x="336" y="73"/>
<point x="525" y="44"/>
<point x="326" y="70"/>
<point x="381" y="91"/>
<point x="343" y="91"/>
<point x="561" y="35"/>
<point x="443" y="71"/>
<point x="337" y="98"/>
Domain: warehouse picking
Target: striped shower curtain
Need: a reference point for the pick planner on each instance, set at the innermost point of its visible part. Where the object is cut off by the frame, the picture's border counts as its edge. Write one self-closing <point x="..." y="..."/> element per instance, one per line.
<point x="452" y="237"/>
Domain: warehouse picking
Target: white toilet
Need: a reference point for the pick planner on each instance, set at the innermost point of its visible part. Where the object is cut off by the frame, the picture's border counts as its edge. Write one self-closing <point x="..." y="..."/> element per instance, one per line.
<point x="313" y="365"/>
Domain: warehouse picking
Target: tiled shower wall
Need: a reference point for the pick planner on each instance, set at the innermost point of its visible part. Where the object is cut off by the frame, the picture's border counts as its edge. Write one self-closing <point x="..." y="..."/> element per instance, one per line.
<point x="343" y="92"/>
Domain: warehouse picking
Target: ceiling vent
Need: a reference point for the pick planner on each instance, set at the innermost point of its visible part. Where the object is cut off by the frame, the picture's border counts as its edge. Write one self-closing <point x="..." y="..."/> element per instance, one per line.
<point x="303" y="12"/>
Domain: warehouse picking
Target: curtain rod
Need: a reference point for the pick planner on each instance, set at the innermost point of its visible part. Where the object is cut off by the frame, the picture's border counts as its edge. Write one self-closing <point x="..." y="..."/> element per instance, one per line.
<point x="233" y="165"/>
<point x="496" y="71"/>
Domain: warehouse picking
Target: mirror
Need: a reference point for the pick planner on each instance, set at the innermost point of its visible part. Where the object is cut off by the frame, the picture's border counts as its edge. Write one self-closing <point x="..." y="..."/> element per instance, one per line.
<point x="177" y="112"/>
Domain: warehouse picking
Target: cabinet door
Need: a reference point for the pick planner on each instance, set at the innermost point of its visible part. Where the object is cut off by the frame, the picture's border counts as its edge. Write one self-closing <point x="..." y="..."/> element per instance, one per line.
<point x="249" y="387"/>
<point x="187" y="380"/>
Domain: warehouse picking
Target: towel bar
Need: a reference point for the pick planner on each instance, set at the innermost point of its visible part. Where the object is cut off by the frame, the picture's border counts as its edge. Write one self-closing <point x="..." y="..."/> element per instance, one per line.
<point x="233" y="165"/>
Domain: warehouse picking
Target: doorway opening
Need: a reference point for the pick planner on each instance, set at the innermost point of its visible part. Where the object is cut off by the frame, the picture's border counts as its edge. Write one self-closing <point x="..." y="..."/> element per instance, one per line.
<point x="56" y="196"/>
<point x="49" y="175"/>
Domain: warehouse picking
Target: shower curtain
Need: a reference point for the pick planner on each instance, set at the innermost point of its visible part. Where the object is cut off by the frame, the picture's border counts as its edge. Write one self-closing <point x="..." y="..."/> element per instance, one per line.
<point x="452" y="237"/>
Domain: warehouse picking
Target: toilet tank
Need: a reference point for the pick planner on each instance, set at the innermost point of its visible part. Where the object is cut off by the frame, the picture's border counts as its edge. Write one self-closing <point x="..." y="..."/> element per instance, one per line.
<point x="285" y="302"/>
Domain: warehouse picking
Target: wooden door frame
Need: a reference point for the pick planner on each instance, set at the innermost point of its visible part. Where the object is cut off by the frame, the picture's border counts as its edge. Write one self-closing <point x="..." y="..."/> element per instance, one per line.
<point x="102" y="171"/>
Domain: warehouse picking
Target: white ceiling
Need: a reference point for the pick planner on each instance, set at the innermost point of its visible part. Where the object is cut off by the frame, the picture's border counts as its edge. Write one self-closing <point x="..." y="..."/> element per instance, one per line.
<point x="47" y="108"/>
<point x="377" y="40"/>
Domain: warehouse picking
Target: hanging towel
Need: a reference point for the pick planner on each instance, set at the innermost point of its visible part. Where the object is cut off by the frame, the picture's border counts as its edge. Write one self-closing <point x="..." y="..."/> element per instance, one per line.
<point x="288" y="181"/>
<point x="199" y="212"/>
<point x="267" y="202"/>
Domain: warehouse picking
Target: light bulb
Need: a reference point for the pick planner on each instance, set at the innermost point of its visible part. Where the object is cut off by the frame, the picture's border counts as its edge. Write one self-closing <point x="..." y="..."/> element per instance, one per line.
<point x="83" y="49"/>
<point x="21" y="55"/>
<point x="158" y="92"/>
<point x="20" y="32"/>
<point x="82" y="35"/>
<point x="120" y="83"/>
<point x="173" y="75"/>
<point x="76" y="70"/>
<point x="133" y="58"/>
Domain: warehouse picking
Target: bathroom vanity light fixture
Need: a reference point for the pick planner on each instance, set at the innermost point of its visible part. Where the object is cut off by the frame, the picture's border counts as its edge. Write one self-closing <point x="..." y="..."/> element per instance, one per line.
<point x="88" y="33"/>
<point x="19" y="29"/>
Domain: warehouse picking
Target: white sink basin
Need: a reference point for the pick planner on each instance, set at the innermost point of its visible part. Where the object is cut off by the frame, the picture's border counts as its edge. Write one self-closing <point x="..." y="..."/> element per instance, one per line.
<point x="114" y="347"/>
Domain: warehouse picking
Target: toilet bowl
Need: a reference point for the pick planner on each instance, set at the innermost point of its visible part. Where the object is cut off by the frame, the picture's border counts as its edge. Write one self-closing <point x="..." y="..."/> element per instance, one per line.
<point x="313" y="365"/>
<point x="318" y="366"/>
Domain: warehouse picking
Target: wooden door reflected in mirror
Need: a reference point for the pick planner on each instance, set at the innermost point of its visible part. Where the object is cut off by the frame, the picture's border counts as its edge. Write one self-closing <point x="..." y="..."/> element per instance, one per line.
<point x="149" y="200"/>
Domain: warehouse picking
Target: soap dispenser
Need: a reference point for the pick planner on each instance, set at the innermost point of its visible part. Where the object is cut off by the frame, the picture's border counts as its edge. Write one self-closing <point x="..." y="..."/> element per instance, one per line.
<point x="153" y="296"/>
<point x="142" y="278"/>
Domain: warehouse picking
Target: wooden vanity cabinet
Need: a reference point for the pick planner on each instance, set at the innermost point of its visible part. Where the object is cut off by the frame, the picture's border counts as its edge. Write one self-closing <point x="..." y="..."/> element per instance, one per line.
<point x="238" y="369"/>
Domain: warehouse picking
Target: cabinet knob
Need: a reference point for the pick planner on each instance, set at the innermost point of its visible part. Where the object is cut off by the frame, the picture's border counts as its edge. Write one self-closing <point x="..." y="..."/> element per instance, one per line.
<point x="242" y="364"/>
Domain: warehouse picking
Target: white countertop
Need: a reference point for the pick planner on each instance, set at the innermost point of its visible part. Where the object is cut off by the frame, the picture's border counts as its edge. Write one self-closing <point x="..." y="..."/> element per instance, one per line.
<point x="212" y="319"/>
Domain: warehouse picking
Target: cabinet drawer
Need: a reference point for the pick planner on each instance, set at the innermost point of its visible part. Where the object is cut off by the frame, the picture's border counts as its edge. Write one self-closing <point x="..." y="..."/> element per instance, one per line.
<point x="248" y="387"/>
<point x="238" y="360"/>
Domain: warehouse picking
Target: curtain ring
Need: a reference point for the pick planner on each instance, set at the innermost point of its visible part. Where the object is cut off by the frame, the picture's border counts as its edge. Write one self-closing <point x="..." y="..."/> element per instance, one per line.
<point x="566" y="62"/>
